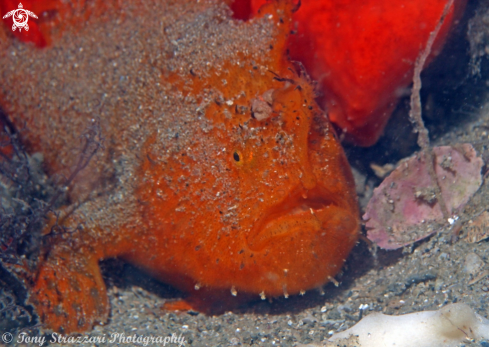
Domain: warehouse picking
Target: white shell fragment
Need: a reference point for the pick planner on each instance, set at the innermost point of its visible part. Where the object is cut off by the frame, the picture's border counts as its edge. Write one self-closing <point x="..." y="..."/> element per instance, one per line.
<point x="446" y="327"/>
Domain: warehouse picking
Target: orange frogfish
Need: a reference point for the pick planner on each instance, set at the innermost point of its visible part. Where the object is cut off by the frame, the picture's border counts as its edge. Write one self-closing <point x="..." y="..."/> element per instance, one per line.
<point x="217" y="171"/>
<point x="362" y="53"/>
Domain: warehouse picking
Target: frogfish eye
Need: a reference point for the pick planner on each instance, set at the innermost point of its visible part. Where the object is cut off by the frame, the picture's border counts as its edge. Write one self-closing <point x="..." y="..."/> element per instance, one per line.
<point x="236" y="157"/>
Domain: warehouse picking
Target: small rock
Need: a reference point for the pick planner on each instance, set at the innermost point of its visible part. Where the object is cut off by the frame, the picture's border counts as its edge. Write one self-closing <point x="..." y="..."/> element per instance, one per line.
<point x="473" y="264"/>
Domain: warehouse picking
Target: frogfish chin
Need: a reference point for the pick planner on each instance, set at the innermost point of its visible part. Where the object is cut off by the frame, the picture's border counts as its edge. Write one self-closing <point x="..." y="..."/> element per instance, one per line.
<point x="219" y="174"/>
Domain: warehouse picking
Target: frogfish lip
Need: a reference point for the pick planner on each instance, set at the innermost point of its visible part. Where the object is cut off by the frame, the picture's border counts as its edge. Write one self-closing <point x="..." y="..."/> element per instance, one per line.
<point x="300" y="211"/>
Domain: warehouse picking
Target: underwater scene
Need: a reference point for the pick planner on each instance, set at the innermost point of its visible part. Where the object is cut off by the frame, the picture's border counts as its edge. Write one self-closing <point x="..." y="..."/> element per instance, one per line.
<point x="244" y="173"/>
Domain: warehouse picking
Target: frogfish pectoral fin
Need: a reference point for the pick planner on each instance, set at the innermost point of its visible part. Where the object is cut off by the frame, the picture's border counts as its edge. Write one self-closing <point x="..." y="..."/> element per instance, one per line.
<point x="69" y="293"/>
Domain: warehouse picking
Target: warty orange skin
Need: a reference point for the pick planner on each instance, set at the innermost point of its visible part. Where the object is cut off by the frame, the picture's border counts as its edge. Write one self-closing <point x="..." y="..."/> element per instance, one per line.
<point x="224" y="180"/>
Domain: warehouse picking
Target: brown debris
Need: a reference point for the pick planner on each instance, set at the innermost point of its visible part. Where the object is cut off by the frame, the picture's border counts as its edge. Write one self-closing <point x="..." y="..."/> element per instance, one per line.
<point x="478" y="230"/>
